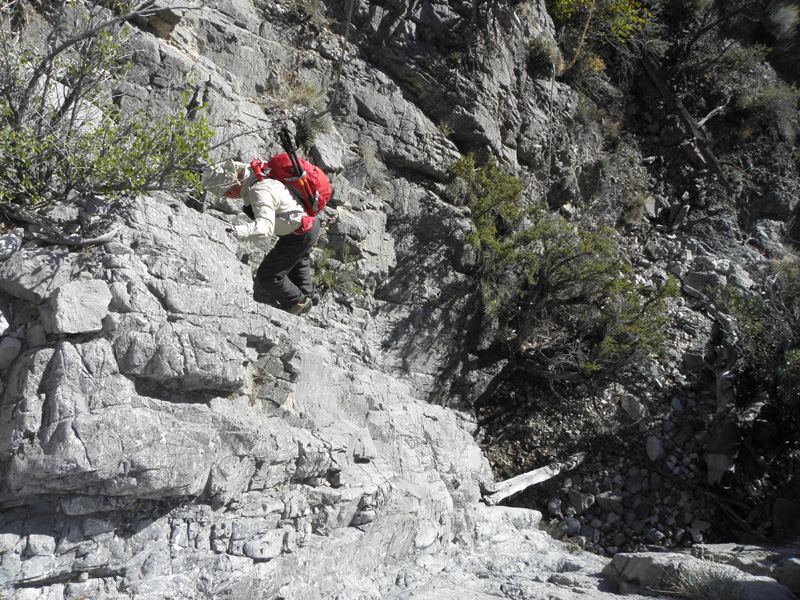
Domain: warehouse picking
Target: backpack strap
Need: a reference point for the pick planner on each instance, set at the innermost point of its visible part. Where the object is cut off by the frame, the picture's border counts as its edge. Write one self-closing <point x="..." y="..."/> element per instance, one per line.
<point x="260" y="169"/>
<point x="310" y="201"/>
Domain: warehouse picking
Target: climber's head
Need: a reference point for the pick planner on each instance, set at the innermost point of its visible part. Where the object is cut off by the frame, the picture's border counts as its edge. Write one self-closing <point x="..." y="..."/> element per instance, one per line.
<point x="222" y="179"/>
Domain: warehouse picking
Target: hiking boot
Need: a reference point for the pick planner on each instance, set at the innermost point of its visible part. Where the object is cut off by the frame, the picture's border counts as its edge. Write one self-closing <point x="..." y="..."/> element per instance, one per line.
<point x="301" y="308"/>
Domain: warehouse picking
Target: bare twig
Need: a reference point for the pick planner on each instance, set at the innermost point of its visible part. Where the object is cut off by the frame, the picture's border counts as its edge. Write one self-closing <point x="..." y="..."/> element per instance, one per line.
<point x="146" y="9"/>
<point x="701" y="123"/>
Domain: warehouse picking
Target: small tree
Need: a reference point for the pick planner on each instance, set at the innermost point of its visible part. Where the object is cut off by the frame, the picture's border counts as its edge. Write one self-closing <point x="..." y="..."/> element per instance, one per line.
<point x="563" y="289"/>
<point x="768" y="340"/>
<point x="592" y="23"/>
<point x="60" y="128"/>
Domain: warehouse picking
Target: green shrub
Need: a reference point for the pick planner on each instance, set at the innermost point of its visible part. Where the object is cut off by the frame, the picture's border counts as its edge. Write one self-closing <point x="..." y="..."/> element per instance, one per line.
<point x="736" y="58"/>
<point x="773" y="107"/>
<point x="61" y="131"/>
<point x="542" y="55"/>
<point x="494" y="197"/>
<point x="563" y="288"/>
<point x="590" y="24"/>
<point x="608" y="19"/>
<point x="339" y="276"/>
<point x="600" y="320"/>
<point x="768" y="329"/>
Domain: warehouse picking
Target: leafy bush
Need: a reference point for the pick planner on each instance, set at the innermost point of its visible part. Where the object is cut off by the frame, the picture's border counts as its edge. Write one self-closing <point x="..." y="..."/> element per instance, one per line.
<point x="542" y="55"/>
<point x="737" y="58"/>
<point x="593" y="23"/>
<point x="571" y="306"/>
<point x="773" y="107"/>
<point x="609" y="19"/>
<point x="768" y="329"/>
<point x="494" y="197"/>
<point x="60" y="129"/>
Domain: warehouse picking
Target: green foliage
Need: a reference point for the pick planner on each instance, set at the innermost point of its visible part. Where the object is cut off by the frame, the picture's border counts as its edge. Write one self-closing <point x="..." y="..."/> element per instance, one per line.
<point x="563" y="287"/>
<point x="608" y="19"/>
<point x="737" y="58"/>
<point x="577" y="278"/>
<point x="494" y="197"/>
<point x="590" y="24"/>
<point x="771" y="107"/>
<point x="61" y="131"/>
<point x="446" y="128"/>
<point x="768" y="328"/>
<point x="542" y="55"/>
<point x="339" y="276"/>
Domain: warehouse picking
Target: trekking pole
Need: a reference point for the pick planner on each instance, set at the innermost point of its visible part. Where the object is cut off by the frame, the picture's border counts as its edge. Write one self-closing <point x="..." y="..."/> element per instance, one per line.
<point x="288" y="147"/>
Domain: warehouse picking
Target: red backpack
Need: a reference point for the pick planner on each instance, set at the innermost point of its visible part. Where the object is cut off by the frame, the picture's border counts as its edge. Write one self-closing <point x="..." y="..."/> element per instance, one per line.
<point x="310" y="185"/>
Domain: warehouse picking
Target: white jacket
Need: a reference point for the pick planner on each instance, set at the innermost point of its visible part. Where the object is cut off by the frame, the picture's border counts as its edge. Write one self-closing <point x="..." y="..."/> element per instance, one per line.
<point x="275" y="208"/>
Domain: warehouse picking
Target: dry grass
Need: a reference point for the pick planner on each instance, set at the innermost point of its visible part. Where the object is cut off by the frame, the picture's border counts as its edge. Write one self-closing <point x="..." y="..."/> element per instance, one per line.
<point x="708" y="582"/>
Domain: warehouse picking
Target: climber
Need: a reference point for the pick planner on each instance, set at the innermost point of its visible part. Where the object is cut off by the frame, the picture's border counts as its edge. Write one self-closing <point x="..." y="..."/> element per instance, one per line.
<point x="285" y="272"/>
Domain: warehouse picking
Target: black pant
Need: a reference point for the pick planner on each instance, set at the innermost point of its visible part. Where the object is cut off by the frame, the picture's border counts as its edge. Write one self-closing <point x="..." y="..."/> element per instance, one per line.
<point x="285" y="272"/>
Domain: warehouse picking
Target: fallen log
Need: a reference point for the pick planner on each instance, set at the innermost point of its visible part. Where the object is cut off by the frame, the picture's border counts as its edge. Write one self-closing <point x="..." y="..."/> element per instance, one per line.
<point x="675" y="105"/>
<point x="509" y="487"/>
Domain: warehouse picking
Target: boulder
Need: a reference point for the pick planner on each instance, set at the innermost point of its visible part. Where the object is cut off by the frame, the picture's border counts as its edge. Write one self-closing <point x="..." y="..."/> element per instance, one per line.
<point x="675" y="571"/>
<point x="78" y="307"/>
<point x="9" y="245"/>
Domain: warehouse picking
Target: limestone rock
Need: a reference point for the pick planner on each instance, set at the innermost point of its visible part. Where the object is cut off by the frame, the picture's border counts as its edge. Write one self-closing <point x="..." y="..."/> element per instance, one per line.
<point x="33" y="275"/>
<point x="78" y="307"/>
<point x="9" y="350"/>
<point x="9" y="244"/>
<point x="655" y="449"/>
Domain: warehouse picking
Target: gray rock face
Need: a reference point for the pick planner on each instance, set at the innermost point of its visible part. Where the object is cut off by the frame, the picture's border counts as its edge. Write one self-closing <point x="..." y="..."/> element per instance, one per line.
<point x="189" y="389"/>
<point x="203" y="444"/>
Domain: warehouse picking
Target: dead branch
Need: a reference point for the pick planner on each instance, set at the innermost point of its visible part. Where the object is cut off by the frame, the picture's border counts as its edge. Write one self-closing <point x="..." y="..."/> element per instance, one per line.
<point x="676" y="106"/>
<point x="509" y="487"/>
<point x="701" y="123"/>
